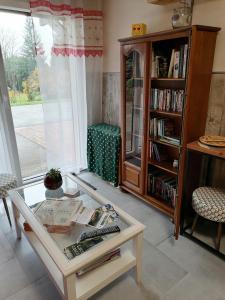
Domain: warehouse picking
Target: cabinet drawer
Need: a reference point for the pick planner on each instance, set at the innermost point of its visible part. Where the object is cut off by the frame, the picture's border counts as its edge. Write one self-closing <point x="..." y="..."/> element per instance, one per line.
<point x="132" y="176"/>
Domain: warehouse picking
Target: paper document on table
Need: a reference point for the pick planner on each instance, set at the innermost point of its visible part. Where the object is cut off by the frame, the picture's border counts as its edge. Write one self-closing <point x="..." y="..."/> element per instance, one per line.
<point x="83" y="216"/>
<point x="57" y="212"/>
<point x="98" y="217"/>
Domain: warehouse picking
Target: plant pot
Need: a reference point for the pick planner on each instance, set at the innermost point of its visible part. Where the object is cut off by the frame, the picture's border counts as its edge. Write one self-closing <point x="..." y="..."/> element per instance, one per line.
<point x="52" y="183"/>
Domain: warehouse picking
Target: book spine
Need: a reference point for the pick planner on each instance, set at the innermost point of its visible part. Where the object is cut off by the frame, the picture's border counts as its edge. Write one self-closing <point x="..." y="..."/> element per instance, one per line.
<point x="185" y="60"/>
<point x="181" y="61"/>
<point x="176" y="64"/>
<point x="170" y="71"/>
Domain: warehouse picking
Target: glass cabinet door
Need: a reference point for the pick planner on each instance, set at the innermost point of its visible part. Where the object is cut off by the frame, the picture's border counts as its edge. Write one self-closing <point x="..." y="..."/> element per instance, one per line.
<point x="134" y="106"/>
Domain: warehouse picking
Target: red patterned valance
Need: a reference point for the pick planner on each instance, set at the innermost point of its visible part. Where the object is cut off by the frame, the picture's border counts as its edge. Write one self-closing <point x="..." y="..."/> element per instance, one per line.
<point x="61" y="9"/>
<point x="76" y="52"/>
<point x="76" y="31"/>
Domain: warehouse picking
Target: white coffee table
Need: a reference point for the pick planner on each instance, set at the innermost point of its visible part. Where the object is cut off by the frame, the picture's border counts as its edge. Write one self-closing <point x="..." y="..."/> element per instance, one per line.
<point x="49" y="247"/>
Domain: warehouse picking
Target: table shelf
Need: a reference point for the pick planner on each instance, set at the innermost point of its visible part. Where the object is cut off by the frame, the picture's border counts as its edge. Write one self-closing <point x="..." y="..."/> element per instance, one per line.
<point x="88" y="284"/>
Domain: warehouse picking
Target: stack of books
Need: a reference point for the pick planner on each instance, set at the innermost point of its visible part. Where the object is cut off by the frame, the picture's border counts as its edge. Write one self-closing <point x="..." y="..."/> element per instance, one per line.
<point x="157" y="153"/>
<point x="167" y="100"/>
<point x="164" y="130"/>
<point x="177" y="66"/>
<point x="110" y="256"/>
<point x="159" y="66"/>
<point x="163" y="186"/>
<point x="178" y="62"/>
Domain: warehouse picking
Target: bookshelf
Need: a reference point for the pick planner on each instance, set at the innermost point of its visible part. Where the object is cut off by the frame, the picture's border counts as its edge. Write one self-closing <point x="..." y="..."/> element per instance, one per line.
<point x="165" y="83"/>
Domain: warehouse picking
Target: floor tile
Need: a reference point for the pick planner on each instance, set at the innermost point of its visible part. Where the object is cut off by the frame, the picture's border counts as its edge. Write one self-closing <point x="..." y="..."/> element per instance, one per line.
<point x="159" y="272"/>
<point x="29" y="261"/>
<point x="124" y="287"/>
<point x="42" y="289"/>
<point x="12" y="278"/>
<point x="194" y="287"/>
<point x="6" y="252"/>
<point x="196" y="260"/>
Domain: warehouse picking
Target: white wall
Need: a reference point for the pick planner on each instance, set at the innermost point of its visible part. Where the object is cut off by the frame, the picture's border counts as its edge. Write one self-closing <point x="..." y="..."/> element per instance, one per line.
<point x="120" y="14"/>
<point x="22" y="5"/>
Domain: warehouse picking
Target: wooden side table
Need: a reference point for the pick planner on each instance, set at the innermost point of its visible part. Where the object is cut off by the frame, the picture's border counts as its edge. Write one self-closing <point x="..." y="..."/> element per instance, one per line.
<point x="196" y="175"/>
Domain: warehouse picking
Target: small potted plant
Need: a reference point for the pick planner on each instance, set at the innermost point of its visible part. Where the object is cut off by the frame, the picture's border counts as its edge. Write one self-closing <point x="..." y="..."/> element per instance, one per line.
<point x="53" y="179"/>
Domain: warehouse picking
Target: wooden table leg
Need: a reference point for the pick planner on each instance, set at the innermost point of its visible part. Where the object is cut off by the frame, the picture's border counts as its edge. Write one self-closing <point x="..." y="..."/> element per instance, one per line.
<point x="138" y="246"/>
<point x="16" y="216"/>
<point x="70" y="287"/>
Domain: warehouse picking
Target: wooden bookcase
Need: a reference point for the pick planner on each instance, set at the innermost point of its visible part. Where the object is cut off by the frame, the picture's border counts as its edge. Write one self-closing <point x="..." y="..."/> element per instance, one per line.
<point x="140" y="174"/>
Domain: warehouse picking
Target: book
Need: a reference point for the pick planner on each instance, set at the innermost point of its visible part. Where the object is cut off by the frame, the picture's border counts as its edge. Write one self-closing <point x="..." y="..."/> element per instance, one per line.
<point x="80" y="247"/>
<point x="170" y="100"/>
<point x="170" y="71"/>
<point x="108" y="257"/>
<point x="176" y="64"/>
<point x="162" y="185"/>
<point x="185" y="60"/>
<point x="181" y="62"/>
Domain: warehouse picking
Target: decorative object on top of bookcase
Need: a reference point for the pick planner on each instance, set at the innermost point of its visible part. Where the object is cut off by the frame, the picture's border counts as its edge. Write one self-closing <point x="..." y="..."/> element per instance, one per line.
<point x="138" y="29"/>
<point x="181" y="17"/>
<point x="165" y="83"/>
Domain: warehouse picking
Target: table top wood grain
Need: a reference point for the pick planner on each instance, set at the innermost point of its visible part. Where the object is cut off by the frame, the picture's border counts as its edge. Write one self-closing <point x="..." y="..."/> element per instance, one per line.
<point x="214" y="151"/>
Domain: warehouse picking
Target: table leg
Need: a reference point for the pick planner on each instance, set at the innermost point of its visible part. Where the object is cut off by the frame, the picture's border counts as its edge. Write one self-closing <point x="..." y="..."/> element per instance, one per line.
<point x="137" y="249"/>
<point x="69" y="283"/>
<point x="16" y="216"/>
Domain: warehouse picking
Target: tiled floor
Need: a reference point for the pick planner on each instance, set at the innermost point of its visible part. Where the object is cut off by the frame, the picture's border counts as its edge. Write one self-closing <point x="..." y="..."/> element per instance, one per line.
<point x="172" y="270"/>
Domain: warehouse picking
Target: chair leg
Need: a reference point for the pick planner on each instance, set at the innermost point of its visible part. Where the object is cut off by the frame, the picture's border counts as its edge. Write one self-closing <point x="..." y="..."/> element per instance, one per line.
<point x="7" y="211"/>
<point x="219" y="234"/>
<point x="194" y="223"/>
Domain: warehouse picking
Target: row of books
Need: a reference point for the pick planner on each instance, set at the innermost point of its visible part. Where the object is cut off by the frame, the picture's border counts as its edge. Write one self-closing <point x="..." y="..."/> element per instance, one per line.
<point x="167" y="100"/>
<point x="163" y="186"/>
<point x="164" y="130"/>
<point x="178" y="62"/>
<point x="157" y="153"/>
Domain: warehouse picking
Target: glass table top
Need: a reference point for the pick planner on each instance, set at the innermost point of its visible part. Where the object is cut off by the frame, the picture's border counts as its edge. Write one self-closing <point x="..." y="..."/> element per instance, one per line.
<point x="36" y="195"/>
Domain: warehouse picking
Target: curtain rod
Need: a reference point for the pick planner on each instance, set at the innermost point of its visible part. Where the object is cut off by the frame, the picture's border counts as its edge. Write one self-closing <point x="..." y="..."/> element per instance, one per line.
<point x="218" y="72"/>
<point x="15" y="11"/>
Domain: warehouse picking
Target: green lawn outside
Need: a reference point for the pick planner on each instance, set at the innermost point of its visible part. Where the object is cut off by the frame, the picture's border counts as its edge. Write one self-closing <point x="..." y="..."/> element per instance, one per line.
<point x="17" y="98"/>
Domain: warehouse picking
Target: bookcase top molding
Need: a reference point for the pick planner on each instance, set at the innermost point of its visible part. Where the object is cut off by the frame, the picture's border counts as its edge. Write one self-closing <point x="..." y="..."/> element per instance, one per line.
<point x="161" y="2"/>
<point x="172" y="33"/>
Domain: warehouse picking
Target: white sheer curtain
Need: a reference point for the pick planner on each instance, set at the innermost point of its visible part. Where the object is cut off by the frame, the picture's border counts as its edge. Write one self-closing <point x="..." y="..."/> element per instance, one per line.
<point x="9" y="159"/>
<point x="69" y="58"/>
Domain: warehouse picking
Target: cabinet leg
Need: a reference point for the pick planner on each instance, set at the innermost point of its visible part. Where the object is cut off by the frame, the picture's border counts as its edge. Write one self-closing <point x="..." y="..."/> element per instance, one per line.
<point x="69" y="283"/>
<point x="194" y="223"/>
<point x="138" y="246"/>
<point x="7" y="211"/>
<point x="16" y="216"/>
<point x="219" y="234"/>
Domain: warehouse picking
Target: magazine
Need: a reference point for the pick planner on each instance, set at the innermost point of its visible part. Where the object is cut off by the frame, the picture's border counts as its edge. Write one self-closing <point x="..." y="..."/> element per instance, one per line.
<point x="112" y="255"/>
<point x="80" y="247"/>
<point x="103" y="215"/>
<point x="59" y="214"/>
